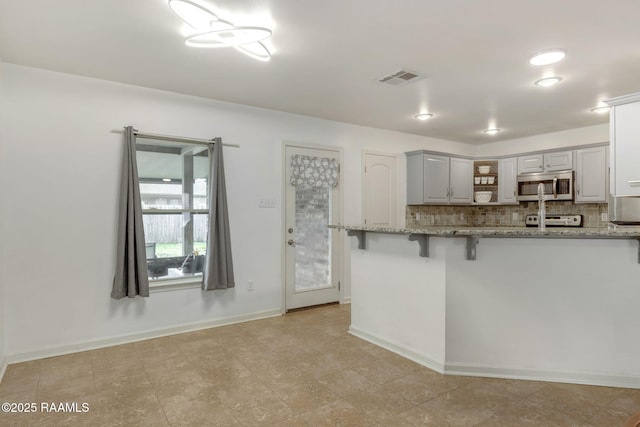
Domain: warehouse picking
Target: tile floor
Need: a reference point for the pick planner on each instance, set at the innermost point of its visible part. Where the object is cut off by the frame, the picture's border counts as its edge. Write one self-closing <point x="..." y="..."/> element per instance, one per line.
<point x="301" y="369"/>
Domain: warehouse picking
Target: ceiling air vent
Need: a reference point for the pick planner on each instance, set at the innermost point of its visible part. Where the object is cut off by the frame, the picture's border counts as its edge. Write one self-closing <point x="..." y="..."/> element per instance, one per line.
<point x="400" y="78"/>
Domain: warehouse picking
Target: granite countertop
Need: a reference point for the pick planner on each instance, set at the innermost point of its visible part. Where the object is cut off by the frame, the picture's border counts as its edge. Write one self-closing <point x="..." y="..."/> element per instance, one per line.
<point x="493" y="231"/>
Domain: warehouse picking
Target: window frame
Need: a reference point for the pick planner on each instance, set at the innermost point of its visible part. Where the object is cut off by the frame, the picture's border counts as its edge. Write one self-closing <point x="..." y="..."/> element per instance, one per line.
<point x="181" y="148"/>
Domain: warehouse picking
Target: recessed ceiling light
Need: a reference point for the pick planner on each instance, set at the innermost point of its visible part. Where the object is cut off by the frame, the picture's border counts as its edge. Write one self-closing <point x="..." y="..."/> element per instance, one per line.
<point x="548" y="81"/>
<point x="549" y="56"/>
<point x="601" y="110"/>
<point x="423" y="116"/>
<point x="492" y="131"/>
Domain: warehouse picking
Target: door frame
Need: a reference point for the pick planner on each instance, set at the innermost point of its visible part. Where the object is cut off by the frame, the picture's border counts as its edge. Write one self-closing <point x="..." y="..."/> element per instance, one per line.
<point x="283" y="220"/>
<point x="400" y="214"/>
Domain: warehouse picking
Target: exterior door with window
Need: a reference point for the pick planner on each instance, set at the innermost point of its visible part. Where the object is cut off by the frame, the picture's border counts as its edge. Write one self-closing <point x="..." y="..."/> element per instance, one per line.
<point x="312" y="202"/>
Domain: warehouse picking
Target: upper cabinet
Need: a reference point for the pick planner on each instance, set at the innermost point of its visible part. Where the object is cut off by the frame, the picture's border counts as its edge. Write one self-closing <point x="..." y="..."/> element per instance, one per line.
<point x="547" y="162"/>
<point x="508" y="173"/>
<point x="532" y="163"/>
<point x="436" y="179"/>
<point x="625" y="149"/>
<point x="591" y="175"/>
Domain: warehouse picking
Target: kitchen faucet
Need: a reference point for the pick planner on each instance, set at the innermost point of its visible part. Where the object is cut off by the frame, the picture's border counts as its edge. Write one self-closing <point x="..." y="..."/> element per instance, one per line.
<point x="541" y="208"/>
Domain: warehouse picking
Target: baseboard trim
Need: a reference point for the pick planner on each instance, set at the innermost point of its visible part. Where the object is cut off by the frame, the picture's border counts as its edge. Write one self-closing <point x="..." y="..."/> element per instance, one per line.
<point x="140" y="336"/>
<point x="587" y="378"/>
<point x="346" y="300"/>
<point x="409" y="354"/>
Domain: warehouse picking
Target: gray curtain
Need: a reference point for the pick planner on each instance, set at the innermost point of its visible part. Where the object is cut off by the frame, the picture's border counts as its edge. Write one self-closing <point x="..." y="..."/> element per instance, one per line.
<point x="218" y="272"/>
<point x="131" y="276"/>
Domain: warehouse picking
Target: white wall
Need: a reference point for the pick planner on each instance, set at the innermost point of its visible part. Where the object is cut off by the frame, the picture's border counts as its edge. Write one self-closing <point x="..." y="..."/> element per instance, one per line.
<point x="548" y="141"/>
<point x="63" y="164"/>
<point x="399" y="297"/>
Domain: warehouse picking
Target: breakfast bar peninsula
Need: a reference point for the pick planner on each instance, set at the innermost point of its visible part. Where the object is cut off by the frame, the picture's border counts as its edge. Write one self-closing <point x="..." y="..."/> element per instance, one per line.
<point x="512" y="302"/>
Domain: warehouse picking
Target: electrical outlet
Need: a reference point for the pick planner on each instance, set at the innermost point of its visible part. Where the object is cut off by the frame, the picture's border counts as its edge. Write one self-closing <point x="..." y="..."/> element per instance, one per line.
<point x="250" y="285"/>
<point x="268" y="202"/>
<point x="417" y="216"/>
<point x="604" y="217"/>
<point x="514" y="216"/>
<point x="461" y="216"/>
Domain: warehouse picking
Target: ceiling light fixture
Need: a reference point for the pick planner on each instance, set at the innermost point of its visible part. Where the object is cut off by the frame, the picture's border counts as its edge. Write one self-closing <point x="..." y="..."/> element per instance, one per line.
<point x="492" y="131"/>
<point x="548" y="56"/>
<point x="423" y="116"/>
<point x="601" y="109"/>
<point x="213" y="32"/>
<point x="548" y="81"/>
<point x="166" y="179"/>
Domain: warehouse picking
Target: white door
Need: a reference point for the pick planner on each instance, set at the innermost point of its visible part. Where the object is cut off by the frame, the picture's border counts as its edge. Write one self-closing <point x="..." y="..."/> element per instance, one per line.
<point x="312" y="254"/>
<point x="380" y="190"/>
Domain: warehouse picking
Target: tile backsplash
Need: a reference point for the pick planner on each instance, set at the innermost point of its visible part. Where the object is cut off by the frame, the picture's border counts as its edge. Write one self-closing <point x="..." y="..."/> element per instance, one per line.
<point x="500" y="215"/>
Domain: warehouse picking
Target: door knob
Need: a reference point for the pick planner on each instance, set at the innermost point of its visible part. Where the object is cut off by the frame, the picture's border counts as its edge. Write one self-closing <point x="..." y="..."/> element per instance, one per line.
<point x="290" y="242"/>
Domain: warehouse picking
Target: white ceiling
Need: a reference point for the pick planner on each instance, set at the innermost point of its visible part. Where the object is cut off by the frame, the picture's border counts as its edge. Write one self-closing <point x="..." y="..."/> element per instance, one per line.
<point x="328" y="54"/>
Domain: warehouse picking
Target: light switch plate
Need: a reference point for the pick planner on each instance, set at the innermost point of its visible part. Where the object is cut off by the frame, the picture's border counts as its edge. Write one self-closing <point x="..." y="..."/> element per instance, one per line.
<point x="604" y="217"/>
<point x="269" y="202"/>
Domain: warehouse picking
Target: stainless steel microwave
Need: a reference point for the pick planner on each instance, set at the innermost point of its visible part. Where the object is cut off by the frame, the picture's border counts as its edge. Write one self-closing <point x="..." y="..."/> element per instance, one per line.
<point x="557" y="185"/>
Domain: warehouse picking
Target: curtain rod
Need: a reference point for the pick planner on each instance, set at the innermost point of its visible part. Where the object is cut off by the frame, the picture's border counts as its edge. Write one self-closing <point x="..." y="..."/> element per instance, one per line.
<point x="173" y="138"/>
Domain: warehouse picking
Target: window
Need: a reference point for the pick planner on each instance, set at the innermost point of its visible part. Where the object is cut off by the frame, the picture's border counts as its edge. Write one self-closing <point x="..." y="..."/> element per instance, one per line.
<point x="174" y="179"/>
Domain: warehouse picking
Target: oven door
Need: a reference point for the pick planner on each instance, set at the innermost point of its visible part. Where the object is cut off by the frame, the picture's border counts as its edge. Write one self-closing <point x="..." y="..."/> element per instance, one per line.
<point x="557" y="186"/>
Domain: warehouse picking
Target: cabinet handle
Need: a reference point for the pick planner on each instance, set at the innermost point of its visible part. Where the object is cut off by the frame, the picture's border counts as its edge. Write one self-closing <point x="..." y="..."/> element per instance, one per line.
<point x="634" y="182"/>
<point x="577" y="189"/>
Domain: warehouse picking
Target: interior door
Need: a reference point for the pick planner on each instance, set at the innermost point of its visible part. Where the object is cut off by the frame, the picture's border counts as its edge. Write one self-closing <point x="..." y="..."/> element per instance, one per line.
<point x="312" y="254"/>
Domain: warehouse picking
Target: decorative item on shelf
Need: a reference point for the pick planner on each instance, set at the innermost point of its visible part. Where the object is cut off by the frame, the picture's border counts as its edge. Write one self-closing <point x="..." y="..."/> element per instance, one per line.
<point x="483" y="196"/>
<point x="483" y="170"/>
<point x="476" y="180"/>
<point x="484" y="180"/>
<point x="491" y="180"/>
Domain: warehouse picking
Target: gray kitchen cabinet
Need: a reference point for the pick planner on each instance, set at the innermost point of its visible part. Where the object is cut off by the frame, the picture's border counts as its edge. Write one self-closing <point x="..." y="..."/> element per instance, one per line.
<point x="531" y="163"/>
<point x="460" y="181"/>
<point x="507" y="182"/>
<point x="625" y="150"/>
<point x="547" y="162"/>
<point x="591" y="175"/>
<point x="439" y="180"/>
<point x="558" y="161"/>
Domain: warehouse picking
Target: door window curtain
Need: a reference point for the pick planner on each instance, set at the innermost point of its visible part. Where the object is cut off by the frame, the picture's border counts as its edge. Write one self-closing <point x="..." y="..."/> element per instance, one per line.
<point x="131" y="278"/>
<point x="307" y="171"/>
<point x="218" y="272"/>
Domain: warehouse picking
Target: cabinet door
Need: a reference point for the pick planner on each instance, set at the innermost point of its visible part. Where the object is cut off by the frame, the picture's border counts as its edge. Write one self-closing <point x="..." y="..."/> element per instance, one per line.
<point x="436" y="179"/>
<point x="591" y="175"/>
<point x="507" y="181"/>
<point x="533" y="163"/>
<point x="560" y="161"/>
<point x="461" y="181"/>
<point x="625" y="165"/>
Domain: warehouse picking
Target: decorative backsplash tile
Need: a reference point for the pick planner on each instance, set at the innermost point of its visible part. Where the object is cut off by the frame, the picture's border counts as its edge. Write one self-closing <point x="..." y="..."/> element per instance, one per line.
<point x="500" y="215"/>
